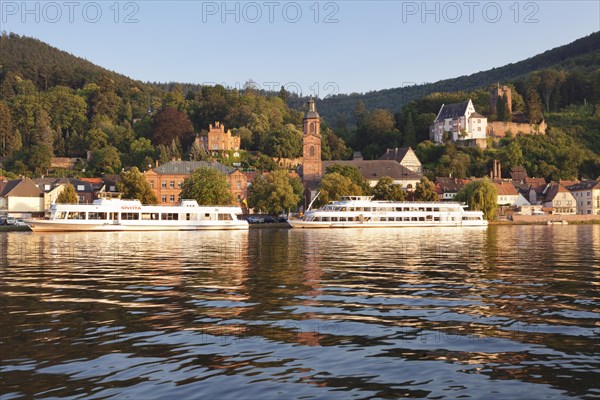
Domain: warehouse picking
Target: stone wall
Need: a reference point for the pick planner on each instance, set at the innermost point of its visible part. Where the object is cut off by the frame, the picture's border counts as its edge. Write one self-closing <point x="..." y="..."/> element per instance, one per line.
<point x="500" y="129"/>
<point x="545" y="218"/>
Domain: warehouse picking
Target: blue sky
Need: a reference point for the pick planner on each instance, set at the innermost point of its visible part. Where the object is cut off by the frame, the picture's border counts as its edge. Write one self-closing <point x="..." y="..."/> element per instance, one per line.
<point x="313" y="47"/>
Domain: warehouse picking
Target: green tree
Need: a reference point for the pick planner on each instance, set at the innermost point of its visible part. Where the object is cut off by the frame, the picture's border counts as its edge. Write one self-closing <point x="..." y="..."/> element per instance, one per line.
<point x="386" y="189"/>
<point x="7" y="130"/>
<point x="425" y="191"/>
<point x="141" y="153"/>
<point x="286" y="143"/>
<point x="134" y="185"/>
<point x="353" y="174"/>
<point x="107" y="160"/>
<point x="534" y="107"/>
<point x="197" y="152"/>
<point x="410" y="139"/>
<point x="207" y="186"/>
<point x="104" y="100"/>
<point x="265" y="163"/>
<point x="68" y="195"/>
<point x="512" y="156"/>
<point x="333" y="186"/>
<point x="480" y="195"/>
<point x="37" y="158"/>
<point x="549" y="84"/>
<point x="274" y="193"/>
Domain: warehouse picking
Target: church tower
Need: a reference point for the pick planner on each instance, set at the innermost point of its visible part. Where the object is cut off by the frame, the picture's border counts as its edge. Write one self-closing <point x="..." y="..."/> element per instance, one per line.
<point x="312" y="168"/>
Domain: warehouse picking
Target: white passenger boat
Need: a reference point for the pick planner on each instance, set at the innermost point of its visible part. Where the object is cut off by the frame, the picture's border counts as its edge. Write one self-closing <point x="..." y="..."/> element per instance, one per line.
<point x="131" y="215"/>
<point x="364" y="212"/>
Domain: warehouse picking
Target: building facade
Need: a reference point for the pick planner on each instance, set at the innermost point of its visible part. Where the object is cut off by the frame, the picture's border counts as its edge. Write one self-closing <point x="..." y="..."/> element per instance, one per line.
<point x="166" y="181"/>
<point x="559" y="200"/>
<point x="406" y="157"/>
<point x="21" y="198"/>
<point x="219" y="140"/>
<point x="587" y="197"/>
<point x="461" y="121"/>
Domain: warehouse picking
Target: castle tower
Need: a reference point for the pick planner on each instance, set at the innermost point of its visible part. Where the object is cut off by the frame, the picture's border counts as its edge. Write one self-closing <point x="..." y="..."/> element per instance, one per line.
<point x="312" y="168"/>
<point x="498" y="91"/>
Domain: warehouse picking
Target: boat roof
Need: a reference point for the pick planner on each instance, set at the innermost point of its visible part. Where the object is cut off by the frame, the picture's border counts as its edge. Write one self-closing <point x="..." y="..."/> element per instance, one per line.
<point x="366" y="200"/>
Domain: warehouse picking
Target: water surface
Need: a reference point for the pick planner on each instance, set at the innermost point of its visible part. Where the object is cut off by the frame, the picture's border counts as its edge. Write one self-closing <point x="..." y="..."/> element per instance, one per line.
<point x="445" y="313"/>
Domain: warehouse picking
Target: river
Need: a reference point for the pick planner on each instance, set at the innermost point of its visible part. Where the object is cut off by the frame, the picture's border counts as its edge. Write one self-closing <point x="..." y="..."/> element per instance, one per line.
<point x="493" y="313"/>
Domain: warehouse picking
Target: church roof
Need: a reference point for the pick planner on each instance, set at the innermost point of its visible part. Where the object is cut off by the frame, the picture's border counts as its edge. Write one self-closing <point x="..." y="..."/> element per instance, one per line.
<point x="396" y="154"/>
<point x="311" y="112"/>
<point x="375" y="169"/>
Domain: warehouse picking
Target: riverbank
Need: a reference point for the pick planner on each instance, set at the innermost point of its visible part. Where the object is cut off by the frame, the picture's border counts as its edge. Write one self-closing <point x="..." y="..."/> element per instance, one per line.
<point x="543" y="220"/>
<point x="274" y="225"/>
<point x="12" y="228"/>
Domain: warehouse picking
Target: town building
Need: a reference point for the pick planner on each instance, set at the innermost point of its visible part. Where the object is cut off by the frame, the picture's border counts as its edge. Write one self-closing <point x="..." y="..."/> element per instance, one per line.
<point x="508" y="195"/>
<point x="21" y="198"/>
<point x="448" y="187"/>
<point x="587" y="197"/>
<point x="558" y="200"/>
<point x="52" y="187"/>
<point x="406" y="157"/>
<point x="461" y="121"/>
<point x="373" y="170"/>
<point x="219" y="140"/>
<point x="167" y="179"/>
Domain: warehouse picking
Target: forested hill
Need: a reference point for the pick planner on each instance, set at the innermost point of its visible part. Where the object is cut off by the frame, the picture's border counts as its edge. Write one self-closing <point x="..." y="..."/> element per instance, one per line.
<point x="48" y="66"/>
<point x="582" y="54"/>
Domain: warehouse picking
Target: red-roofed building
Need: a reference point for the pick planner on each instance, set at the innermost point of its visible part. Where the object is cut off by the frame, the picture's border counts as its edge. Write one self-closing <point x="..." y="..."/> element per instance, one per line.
<point x="559" y="200"/>
<point x="508" y="194"/>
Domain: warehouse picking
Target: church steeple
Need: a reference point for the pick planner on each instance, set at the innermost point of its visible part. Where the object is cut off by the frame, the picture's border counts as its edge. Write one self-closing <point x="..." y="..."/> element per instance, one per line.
<point x="312" y="121"/>
<point x="312" y="167"/>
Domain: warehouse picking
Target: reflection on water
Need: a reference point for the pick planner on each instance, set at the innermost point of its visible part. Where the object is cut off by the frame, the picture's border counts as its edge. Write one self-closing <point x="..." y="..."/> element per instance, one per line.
<point x="503" y="312"/>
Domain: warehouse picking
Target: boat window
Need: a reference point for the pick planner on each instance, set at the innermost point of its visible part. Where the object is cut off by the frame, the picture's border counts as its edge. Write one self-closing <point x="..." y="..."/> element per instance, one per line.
<point x="60" y="215"/>
<point x="436" y="209"/>
<point x="384" y="219"/>
<point x="130" y="216"/>
<point x="169" y="216"/>
<point x="149" y="216"/>
<point x="405" y="218"/>
<point x="224" y="217"/>
<point x="429" y="218"/>
<point x="359" y="208"/>
<point x="350" y="219"/>
<point x="334" y="219"/>
<point x="421" y="208"/>
<point x="436" y="219"/>
<point x="325" y="219"/>
<point x="398" y="208"/>
<point x="76" y="215"/>
<point x="413" y="218"/>
<point x="96" y="215"/>
<point x="343" y="209"/>
<point x="398" y="218"/>
<point x="428" y="209"/>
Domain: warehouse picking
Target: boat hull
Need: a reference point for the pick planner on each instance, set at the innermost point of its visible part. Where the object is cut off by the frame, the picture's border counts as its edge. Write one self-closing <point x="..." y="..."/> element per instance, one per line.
<point x="59" y="226"/>
<point x="298" y="224"/>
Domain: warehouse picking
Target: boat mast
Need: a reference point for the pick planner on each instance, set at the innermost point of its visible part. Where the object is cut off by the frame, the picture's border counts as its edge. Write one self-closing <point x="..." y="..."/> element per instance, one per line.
<point x="313" y="200"/>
